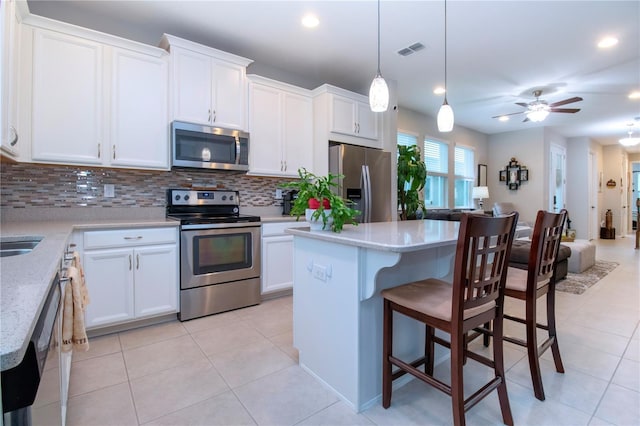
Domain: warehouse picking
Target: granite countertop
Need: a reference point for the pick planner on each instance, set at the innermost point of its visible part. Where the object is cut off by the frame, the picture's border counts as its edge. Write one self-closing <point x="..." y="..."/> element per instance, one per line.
<point x="401" y="236"/>
<point x="26" y="279"/>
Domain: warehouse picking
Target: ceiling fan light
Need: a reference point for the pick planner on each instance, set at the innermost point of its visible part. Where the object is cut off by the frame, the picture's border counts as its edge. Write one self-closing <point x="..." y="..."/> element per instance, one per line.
<point x="379" y="94"/>
<point x="538" y="113"/>
<point x="629" y="141"/>
<point x="445" y="117"/>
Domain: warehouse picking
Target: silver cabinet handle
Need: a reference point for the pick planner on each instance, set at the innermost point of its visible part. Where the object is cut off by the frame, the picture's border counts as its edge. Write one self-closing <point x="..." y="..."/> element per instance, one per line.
<point x="209" y="119"/>
<point x="214" y="115"/>
<point x="139" y="237"/>
<point x="99" y="150"/>
<point x="285" y="165"/>
<point x="15" y="139"/>
<point x="137" y="261"/>
<point x="130" y="265"/>
<point x="114" y="152"/>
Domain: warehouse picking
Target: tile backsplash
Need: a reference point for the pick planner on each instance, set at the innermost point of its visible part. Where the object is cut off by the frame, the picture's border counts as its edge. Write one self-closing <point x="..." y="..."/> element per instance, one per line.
<point x="36" y="185"/>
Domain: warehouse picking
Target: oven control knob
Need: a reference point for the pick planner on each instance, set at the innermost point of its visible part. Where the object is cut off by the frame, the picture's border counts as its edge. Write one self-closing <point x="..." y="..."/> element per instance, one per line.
<point x="230" y="197"/>
<point x="186" y="198"/>
<point x="178" y="197"/>
<point x="224" y="197"/>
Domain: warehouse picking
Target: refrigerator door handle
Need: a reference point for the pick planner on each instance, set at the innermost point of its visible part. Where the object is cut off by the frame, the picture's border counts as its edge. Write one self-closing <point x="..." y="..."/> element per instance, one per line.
<point x="366" y="188"/>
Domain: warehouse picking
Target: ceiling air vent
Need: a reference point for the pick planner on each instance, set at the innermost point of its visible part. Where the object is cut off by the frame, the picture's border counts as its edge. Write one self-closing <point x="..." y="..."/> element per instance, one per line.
<point x="415" y="47"/>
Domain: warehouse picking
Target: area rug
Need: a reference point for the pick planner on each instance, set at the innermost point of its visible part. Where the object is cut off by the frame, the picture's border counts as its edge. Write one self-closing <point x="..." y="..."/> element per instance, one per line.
<point x="579" y="283"/>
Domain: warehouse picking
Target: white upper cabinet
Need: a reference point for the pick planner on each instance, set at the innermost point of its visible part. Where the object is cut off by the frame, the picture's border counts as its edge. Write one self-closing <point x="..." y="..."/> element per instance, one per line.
<point x="93" y="99"/>
<point x="68" y="101"/>
<point x="347" y="113"/>
<point x="281" y="128"/>
<point x="139" y="103"/>
<point x="9" y="49"/>
<point x="208" y="86"/>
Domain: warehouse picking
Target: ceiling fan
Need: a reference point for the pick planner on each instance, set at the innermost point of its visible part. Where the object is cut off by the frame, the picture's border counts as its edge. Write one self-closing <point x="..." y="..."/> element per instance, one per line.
<point x="539" y="109"/>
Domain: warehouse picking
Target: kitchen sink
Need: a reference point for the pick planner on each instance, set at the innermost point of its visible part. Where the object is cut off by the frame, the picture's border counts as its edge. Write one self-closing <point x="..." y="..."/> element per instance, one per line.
<point x="16" y="246"/>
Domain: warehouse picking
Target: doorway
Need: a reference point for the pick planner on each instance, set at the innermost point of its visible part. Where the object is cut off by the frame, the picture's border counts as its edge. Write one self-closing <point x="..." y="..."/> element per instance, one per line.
<point x="594" y="187"/>
<point x="557" y="178"/>
<point x="635" y="194"/>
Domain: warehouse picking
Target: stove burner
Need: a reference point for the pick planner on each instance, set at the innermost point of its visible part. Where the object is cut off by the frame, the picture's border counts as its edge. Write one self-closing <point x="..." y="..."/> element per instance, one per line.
<point x="195" y="207"/>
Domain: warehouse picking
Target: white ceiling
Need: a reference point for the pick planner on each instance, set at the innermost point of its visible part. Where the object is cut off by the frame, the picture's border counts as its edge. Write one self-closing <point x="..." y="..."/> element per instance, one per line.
<point x="498" y="51"/>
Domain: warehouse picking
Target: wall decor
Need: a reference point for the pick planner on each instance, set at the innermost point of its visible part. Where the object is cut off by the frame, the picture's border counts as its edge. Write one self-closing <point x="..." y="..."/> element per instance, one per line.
<point x="514" y="174"/>
<point x="482" y="175"/>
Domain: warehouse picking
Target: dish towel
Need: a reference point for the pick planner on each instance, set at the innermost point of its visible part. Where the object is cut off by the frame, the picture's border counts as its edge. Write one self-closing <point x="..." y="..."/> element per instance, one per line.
<point x="76" y="298"/>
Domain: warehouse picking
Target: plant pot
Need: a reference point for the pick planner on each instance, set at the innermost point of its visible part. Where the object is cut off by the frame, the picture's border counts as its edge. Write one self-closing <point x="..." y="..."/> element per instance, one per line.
<point x="315" y="203"/>
<point x="318" y="224"/>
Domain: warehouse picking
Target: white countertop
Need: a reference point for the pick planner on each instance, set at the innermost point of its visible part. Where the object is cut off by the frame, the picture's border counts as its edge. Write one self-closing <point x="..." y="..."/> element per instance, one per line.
<point x="25" y="279"/>
<point x="401" y="236"/>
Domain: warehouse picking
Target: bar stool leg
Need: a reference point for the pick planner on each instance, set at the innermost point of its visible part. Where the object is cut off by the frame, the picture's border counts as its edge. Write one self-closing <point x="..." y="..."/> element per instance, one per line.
<point x="532" y="350"/>
<point x="551" y="322"/>
<point x="387" y="344"/>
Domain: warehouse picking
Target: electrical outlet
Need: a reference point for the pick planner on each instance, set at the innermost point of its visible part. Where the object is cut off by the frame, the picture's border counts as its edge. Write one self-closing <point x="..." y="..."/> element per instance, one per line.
<point x="320" y="272"/>
<point x="109" y="190"/>
<point x="278" y="194"/>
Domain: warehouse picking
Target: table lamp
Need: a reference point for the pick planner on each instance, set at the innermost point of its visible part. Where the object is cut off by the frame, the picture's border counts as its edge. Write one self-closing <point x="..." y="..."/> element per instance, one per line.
<point x="479" y="193"/>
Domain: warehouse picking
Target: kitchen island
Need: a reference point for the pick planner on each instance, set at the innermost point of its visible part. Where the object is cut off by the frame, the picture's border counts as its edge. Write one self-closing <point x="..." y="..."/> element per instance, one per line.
<point x="337" y="308"/>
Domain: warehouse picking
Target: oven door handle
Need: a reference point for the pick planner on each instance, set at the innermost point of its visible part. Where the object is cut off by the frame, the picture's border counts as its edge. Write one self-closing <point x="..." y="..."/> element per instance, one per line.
<point x="246" y="224"/>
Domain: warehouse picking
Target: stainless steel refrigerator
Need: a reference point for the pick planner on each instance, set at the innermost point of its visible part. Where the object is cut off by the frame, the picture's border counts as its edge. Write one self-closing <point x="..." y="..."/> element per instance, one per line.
<point x="367" y="179"/>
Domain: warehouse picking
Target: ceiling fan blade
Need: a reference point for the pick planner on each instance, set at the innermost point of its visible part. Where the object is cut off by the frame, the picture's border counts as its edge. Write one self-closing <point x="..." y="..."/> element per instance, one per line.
<point x="522" y="104"/>
<point x="525" y="120"/>
<point x="566" y="101"/>
<point x="570" y="110"/>
<point x="504" y="115"/>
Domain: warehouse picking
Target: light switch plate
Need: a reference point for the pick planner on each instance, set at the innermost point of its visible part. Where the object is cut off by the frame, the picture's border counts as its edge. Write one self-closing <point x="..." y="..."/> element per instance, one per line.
<point x="109" y="190"/>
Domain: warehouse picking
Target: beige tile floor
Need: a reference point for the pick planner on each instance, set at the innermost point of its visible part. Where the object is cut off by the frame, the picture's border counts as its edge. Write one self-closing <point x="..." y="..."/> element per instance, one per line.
<point x="239" y="368"/>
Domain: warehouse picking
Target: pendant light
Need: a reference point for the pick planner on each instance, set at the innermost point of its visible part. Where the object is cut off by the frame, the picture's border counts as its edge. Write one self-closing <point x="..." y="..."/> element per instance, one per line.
<point x="379" y="92"/>
<point x="445" y="115"/>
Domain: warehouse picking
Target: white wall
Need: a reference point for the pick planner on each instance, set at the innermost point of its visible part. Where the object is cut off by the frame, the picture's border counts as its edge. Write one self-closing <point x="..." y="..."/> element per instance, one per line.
<point x="528" y="147"/>
<point x="426" y="126"/>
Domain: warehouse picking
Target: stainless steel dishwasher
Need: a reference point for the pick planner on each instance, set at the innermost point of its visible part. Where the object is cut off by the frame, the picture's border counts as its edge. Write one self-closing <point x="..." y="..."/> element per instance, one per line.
<point x="21" y="383"/>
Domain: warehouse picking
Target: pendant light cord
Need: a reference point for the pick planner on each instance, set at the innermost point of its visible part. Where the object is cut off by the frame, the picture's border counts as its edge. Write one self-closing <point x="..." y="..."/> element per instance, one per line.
<point x="378" y="37"/>
<point x="445" y="50"/>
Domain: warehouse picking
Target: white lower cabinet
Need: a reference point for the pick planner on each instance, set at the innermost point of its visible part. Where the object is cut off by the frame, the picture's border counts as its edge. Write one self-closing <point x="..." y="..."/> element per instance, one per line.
<point x="130" y="274"/>
<point x="277" y="256"/>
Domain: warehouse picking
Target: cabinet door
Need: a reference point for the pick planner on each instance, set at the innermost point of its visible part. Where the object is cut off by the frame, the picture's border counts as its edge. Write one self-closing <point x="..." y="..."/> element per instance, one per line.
<point x="191" y="86"/>
<point x="109" y="278"/>
<point x="342" y="115"/>
<point x="277" y="263"/>
<point x="367" y="121"/>
<point x="67" y="124"/>
<point x="156" y="280"/>
<point x="297" y="133"/>
<point x="139" y="121"/>
<point x="8" y="78"/>
<point x="266" y="135"/>
<point x="230" y="93"/>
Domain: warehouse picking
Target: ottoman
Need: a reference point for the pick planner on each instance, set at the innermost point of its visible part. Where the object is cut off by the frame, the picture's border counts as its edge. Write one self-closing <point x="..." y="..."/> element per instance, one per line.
<point x="519" y="257"/>
<point x="583" y="255"/>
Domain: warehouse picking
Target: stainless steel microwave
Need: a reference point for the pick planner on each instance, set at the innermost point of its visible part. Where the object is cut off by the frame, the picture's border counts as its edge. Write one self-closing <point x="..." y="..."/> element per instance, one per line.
<point x="207" y="147"/>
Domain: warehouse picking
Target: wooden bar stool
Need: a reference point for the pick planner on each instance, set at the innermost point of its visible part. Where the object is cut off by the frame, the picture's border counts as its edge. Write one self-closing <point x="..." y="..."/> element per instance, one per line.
<point x="535" y="282"/>
<point x="475" y="297"/>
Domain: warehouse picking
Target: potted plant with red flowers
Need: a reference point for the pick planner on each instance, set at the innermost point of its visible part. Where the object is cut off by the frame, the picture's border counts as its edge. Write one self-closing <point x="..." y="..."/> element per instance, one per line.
<point x="322" y="208"/>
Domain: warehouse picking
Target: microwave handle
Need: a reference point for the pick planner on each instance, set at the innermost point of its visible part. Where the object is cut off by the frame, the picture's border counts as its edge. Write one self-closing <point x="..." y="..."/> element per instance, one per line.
<point x="237" y="150"/>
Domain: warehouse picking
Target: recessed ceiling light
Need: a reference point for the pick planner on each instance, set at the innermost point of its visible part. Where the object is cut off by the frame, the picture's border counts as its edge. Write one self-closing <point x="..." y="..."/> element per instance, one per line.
<point x="439" y="90"/>
<point x="503" y="118"/>
<point x="310" y="21"/>
<point x="607" y="42"/>
<point x="635" y="94"/>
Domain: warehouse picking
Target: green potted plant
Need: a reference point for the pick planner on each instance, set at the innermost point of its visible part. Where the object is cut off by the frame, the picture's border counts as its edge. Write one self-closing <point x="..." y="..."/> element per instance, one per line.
<point x="412" y="175"/>
<point x="317" y="202"/>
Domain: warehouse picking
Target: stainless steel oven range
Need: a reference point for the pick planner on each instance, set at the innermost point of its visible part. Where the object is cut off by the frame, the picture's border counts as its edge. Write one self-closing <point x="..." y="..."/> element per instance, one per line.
<point x="219" y="252"/>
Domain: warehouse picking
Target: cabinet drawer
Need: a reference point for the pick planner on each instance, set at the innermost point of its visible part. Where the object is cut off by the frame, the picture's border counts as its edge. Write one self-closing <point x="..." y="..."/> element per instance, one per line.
<point x="129" y="237"/>
<point x="279" y="227"/>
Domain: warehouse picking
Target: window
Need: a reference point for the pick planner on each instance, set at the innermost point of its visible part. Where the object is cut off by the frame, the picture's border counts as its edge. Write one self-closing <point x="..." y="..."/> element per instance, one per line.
<point x="436" y="157"/>
<point x="406" y="139"/>
<point x="464" y="177"/>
